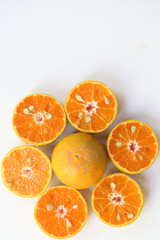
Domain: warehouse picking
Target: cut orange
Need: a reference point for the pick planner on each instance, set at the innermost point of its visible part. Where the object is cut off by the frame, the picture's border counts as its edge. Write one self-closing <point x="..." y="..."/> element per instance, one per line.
<point x="61" y="212"/>
<point x="26" y="171"/>
<point x="132" y="146"/>
<point x="117" y="200"/>
<point x="91" y="107"/>
<point x="39" y="119"/>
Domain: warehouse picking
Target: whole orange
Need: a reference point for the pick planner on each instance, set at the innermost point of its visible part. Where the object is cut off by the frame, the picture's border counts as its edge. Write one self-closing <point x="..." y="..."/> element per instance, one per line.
<point x="79" y="160"/>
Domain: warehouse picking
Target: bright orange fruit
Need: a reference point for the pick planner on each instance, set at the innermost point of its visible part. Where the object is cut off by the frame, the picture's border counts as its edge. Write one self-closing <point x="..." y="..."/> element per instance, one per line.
<point x="117" y="200"/>
<point x="79" y="160"/>
<point x="91" y="107"/>
<point x="39" y="119"/>
<point x="61" y="212"/>
<point x="132" y="146"/>
<point x="26" y="171"/>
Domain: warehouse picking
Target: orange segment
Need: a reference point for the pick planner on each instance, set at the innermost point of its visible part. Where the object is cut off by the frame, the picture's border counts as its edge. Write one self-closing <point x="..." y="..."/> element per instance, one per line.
<point x="121" y="134"/>
<point x="26" y="171"/>
<point x="91" y="107"/>
<point x="74" y="106"/>
<point x="61" y="212"/>
<point x="82" y="124"/>
<point x="100" y="91"/>
<point x="116" y="221"/>
<point x="132" y="134"/>
<point x="106" y="114"/>
<point x="97" y="122"/>
<point x="39" y="119"/>
<point x="102" y="104"/>
<point x="106" y="213"/>
<point x="87" y="91"/>
<point x="143" y="133"/>
<point x="132" y="146"/>
<point x="23" y="124"/>
<point x="36" y="135"/>
<point x="74" y="116"/>
<point x="117" y="200"/>
<point x="48" y="132"/>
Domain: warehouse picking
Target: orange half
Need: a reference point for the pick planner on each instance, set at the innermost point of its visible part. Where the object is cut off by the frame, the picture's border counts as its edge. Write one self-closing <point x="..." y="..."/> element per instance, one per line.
<point x="26" y="171"/>
<point x="39" y="119"/>
<point x="132" y="146"/>
<point x="117" y="200"/>
<point x="61" y="212"/>
<point x="91" y="107"/>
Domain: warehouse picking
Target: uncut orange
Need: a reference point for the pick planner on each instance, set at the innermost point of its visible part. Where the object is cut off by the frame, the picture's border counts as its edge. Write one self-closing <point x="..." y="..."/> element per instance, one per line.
<point x="79" y="160"/>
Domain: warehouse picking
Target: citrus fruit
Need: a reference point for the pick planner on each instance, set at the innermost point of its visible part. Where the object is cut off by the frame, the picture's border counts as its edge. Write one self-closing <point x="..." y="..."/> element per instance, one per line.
<point x="61" y="212"/>
<point x="79" y="160"/>
<point x="132" y="146"/>
<point x="117" y="200"/>
<point x="26" y="171"/>
<point x="39" y="119"/>
<point x="91" y="107"/>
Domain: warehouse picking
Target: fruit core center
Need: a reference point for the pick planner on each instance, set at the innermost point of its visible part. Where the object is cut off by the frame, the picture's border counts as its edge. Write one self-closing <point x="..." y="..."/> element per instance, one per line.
<point x="91" y="107"/>
<point x="133" y="146"/>
<point x="38" y="118"/>
<point x="26" y="172"/>
<point x="61" y="211"/>
<point x="116" y="198"/>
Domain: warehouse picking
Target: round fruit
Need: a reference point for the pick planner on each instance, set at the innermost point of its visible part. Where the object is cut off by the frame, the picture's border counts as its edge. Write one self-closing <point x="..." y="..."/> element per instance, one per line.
<point x="117" y="200"/>
<point x="61" y="212"/>
<point x="132" y="146"/>
<point x="79" y="160"/>
<point x="91" y="107"/>
<point x="39" y="119"/>
<point x="26" y="171"/>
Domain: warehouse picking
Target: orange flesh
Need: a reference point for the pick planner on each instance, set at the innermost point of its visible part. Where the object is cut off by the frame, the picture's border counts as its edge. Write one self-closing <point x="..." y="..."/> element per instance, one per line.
<point x="86" y="107"/>
<point x="26" y="171"/>
<point x="67" y="215"/>
<point x="132" y="145"/>
<point x="35" y="127"/>
<point x="119" y="204"/>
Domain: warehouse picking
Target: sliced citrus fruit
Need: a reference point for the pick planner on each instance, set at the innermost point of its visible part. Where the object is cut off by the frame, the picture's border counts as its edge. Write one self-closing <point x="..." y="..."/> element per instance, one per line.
<point x="117" y="200"/>
<point x="61" y="212"/>
<point x="91" y="107"/>
<point x="79" y="160"/>
<point x="26" y="171"/>
<point x="132" y="146"/>
<point x="39" y="119"/>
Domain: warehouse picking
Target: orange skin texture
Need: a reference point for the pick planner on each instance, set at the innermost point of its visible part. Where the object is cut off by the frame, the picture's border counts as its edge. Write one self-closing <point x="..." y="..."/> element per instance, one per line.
<point x="79" y="160"/>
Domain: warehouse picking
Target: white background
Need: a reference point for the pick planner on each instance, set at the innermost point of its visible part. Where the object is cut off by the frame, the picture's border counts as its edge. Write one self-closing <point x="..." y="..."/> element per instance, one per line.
<point x="49" y="46"/>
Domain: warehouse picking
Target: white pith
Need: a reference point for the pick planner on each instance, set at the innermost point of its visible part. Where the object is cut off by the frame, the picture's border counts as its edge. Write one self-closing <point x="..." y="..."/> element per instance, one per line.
<point x="114" y="195"/>
<point x="93" y="110"/>
<point x="136" y="147"/>
<point x="59" y="214"/>
<point x="38" y="115"/>
<point x="27" y="175"/>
